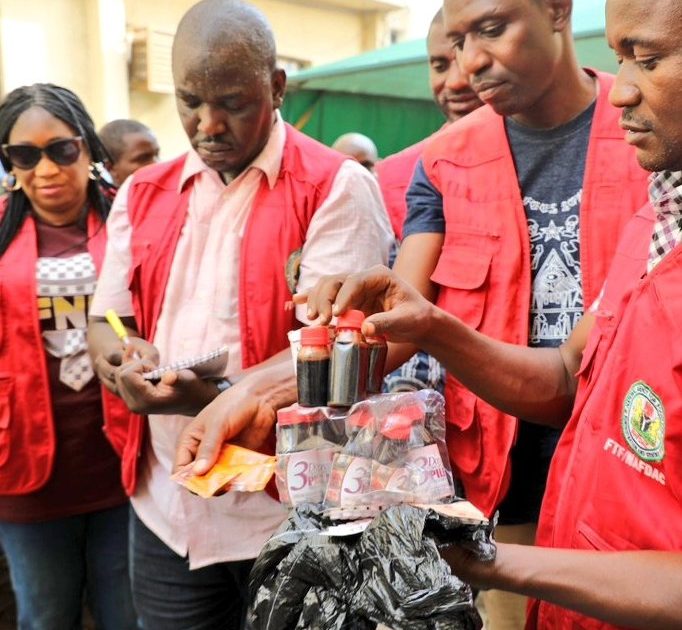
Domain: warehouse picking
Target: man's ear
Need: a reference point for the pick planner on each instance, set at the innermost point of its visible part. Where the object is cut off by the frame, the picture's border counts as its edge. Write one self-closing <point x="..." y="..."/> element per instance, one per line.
<point x="279" y="84"/>
<point x="560" y="11"/>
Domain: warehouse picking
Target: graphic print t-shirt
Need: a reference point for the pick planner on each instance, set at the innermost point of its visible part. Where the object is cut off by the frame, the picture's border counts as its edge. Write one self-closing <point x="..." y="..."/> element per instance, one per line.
<point x="551" y="166"/>
<point x="86" y="471"/>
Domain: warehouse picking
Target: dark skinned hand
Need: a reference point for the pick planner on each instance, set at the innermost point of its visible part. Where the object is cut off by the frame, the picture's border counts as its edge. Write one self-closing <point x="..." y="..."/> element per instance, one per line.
<point x="107" y="364"/>
<point x="181" y="392"/>
<point x="396" y="310"/>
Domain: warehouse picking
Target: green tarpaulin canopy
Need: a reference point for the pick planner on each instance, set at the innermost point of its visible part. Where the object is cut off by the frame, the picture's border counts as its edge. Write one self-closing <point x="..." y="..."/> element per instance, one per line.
<point x="385" y="93"/>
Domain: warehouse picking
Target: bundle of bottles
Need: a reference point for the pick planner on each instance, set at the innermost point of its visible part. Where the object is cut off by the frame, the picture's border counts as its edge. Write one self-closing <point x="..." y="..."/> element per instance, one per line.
<point x="344" y="444"/>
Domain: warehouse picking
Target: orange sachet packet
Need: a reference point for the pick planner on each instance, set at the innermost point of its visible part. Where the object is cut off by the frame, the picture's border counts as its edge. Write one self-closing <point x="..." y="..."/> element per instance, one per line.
<point x="237" y="469"/>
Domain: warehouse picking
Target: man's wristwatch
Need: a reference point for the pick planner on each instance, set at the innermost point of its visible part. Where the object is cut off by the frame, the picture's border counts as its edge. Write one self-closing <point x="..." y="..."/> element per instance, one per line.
<point x="222" y="384"/>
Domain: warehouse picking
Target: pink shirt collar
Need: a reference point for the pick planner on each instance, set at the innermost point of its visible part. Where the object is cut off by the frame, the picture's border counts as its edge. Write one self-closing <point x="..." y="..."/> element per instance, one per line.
<point x="268" y="161"/>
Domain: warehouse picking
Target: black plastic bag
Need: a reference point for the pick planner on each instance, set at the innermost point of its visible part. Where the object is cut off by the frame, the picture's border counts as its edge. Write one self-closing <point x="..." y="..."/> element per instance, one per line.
<point x="391" y="573"/>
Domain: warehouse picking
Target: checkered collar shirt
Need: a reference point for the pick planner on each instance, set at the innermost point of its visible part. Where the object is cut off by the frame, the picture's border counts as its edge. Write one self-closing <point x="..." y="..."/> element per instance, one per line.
<point x="665" y="194"/>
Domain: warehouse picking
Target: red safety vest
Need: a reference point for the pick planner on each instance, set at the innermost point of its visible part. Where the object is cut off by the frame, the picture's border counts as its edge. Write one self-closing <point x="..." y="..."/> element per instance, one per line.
<point x="395" y="174"/>
<point x="27" y="434"/>
<point x="615" y="482"/>
<point x="484" y="269"/>
<point x="275" y="232"/>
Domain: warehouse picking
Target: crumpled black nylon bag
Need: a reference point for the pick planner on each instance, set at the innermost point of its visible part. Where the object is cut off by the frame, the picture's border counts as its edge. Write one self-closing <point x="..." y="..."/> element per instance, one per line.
<point x="392" y="573"/>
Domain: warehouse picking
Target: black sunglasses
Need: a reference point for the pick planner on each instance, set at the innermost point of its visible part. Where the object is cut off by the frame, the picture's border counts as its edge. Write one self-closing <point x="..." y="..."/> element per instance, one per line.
<point x="26" y="156"/>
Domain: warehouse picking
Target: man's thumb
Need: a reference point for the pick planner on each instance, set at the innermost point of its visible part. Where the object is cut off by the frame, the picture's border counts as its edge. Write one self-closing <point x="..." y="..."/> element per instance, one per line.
<point x="377" y="324"/>
<point x="207" y="452"/>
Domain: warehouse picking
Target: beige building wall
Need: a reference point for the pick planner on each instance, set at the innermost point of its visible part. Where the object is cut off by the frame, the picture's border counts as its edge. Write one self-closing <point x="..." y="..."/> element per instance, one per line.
<point x="85" y="45"/>
<point x="79" y="44"/>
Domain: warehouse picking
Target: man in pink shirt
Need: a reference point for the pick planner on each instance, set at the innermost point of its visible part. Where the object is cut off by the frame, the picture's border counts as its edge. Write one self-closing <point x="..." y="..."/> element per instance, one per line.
<point x="203" y="252"/>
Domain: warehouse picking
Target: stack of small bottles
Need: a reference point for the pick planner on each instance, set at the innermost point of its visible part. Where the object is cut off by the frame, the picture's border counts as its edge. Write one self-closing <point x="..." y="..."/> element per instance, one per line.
<point x="345" y="374"/>
<point x="395" y="453"/>
<point x="339" y="447"/>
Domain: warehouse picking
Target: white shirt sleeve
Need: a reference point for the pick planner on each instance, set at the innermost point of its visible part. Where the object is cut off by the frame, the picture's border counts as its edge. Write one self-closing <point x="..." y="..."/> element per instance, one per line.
<point x="112" y="284"/>
<point x="349" y="232"/>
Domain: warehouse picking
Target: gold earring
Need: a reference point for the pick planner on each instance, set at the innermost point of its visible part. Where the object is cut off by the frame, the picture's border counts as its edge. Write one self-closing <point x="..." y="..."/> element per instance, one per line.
<point x="10" y="183"/>
<point x="95" y="170"/>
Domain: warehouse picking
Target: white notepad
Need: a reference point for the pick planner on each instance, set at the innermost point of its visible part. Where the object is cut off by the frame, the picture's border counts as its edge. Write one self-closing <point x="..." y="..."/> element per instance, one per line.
<point x="211" y="364"/>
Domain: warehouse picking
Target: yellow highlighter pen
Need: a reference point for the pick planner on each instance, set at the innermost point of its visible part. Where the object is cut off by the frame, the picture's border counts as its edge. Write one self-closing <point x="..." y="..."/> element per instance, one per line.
<point x="120" y="330"/>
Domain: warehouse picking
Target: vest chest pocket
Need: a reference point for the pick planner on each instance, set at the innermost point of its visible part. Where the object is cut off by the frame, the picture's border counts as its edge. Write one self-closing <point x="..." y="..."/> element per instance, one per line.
<point x="462" y="272"/>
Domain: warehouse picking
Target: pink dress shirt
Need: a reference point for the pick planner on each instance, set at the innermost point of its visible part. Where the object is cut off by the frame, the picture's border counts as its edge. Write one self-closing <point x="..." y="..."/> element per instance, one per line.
<point x="349" y="232"/>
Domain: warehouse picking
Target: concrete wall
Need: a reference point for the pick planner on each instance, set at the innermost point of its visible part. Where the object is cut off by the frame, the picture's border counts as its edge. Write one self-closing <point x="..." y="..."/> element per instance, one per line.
<point x="79" y="44"/>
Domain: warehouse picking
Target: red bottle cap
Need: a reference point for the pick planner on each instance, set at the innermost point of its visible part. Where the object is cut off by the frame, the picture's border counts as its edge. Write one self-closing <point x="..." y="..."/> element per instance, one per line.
<point x="396" y="427"/>
<point x="412" y="412"/>
<point x="298" y="415"/>
<point x="288" y="415"/>
<point x="359" y="419"/>
<point x="351" y="319"/>
<point x="315" y="336"/>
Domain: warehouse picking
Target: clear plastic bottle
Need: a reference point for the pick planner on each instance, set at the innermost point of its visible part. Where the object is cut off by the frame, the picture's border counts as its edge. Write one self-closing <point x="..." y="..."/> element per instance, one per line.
<point x="394" y="439"/>
<point x="312" y="367"/>
<point x="429" y="480"/>
<point x="349" y="362"/>
<point x="304" y="457"/>
<point x="352" y="468"/>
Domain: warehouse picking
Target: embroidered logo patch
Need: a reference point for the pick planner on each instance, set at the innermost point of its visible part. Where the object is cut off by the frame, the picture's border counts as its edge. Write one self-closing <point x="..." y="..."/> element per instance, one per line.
<point x="644" y="422"/>
<point x="292" y="269"/>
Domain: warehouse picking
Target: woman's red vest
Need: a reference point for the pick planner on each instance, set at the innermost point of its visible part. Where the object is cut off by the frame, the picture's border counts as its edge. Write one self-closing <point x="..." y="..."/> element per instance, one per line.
<point x="484" y="268"/>
<point x="27" y="433"/>
<point x="615" y="482"/>
<point x="274" y="234"/>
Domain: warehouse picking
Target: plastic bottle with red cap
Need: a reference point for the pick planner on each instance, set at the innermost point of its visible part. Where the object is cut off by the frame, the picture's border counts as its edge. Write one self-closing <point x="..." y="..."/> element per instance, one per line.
<point x="312" y="367"/>
<point x="391" y="476"/>
<point x="350" y="476"/>
<point x="304" y="457"/>
<point x="349" y="361"/>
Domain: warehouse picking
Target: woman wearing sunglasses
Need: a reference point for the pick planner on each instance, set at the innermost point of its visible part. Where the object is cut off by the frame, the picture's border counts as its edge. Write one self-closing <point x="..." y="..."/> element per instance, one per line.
<point x="63" y="513"/>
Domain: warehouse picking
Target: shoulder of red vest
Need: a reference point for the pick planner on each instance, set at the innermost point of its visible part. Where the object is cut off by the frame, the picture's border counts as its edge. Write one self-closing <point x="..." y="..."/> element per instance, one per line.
<point x="645" y="215"/>
<point x="307" y="159"/>
<point x="162" y="175"/>
<point x="476" y="139"/>
<point x="397" y="165"/>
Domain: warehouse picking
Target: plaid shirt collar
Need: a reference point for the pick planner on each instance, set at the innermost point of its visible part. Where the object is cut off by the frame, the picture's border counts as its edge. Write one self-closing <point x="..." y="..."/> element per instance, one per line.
<point x="665" y="192"/>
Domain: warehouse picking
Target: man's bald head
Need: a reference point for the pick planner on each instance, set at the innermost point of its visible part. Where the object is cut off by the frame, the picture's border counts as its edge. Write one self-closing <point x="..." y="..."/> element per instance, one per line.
<point x="212" y="26"/>
<point x="227" y="86"/>
<point x="437" y="19"/>
<point x="359" y="147"/>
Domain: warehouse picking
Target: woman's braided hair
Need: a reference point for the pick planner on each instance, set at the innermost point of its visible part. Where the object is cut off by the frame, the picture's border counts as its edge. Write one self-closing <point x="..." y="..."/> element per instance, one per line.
<point x="65" y="105"/>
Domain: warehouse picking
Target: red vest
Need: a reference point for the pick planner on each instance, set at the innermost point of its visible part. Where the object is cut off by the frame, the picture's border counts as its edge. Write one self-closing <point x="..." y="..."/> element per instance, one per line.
<point x="395" y="174"/>
<point x="484" y="269"/>
<point x="27" y="435"/>
<point x="615" y="482"/>
<point x="276" y="229"/>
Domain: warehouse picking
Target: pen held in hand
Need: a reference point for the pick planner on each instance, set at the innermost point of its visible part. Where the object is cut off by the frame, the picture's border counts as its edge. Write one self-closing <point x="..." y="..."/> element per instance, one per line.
<point x="120" y="330"/>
